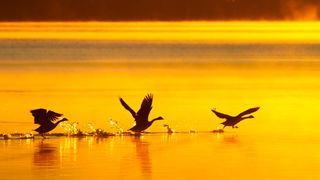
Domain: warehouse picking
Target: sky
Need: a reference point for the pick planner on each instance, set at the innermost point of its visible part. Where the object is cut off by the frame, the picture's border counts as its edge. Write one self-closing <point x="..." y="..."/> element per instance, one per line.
<point x="158" y="10"/>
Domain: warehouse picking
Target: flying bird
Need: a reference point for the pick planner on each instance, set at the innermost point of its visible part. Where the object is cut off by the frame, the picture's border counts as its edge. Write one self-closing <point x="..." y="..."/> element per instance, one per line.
<point x="141" y="117"/>
<point x="233" y="120"/>
<point x="46" y="120"/>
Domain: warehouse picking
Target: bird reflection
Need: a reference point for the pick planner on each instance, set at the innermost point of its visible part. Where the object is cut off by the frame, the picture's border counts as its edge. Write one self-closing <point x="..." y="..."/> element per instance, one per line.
<point x="233" y="120"/>
<point x="231" y="139"/>
<point x="46" y="155"/>
<point x="141" y="117"/>
<point x="45" y="119"/>
<point x="142" y="150"/>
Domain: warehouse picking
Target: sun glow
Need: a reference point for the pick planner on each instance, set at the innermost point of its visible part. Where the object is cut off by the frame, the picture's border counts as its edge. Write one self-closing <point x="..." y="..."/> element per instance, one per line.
<point x="192" y="32"/>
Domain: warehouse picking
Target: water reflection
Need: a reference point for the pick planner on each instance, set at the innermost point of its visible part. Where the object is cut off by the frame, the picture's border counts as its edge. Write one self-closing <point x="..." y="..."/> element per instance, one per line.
<point x="231" y="139"/>
<point x="230" y="155"/>
<point x="143" y="156"/>
<point x="46" y="155"/>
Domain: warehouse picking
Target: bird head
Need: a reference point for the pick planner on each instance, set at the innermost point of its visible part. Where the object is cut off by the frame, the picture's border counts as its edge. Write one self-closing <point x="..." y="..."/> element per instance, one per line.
<point x="158" y="118"/>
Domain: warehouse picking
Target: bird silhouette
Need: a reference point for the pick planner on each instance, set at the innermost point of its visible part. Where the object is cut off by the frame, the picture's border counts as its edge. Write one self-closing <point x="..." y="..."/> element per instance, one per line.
<point x="141" y="117"/>
<point x="233" y="120"/>
<point x="46" y="120"/>
<point x="169" y="129"/>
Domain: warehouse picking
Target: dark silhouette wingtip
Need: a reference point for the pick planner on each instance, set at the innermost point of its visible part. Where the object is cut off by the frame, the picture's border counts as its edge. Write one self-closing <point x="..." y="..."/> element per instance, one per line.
<point x="149" y="95"/>
<point x="257" y="108"/>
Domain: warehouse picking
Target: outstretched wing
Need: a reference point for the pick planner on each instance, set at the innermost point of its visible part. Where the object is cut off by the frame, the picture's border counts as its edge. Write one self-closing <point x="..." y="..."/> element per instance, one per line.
<point x="221" y="115"/>
<point x="52" y="116"/>
<point x="249" y="111"/>
<point x="40" y="115"/>
<point x="145" y="108"/>
<point x="125" y="105"/>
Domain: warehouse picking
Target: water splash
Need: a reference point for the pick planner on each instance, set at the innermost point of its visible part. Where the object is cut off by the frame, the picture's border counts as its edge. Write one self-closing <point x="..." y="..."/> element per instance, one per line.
<point x="114" y="125"/>
<point x="91" y="127"/>
<point x="192" y="130"/>
<point x="16" y="136"/>
<point x="218" y="130"/>
<point x="98" y="131"/>
<point x="71" y="128"/>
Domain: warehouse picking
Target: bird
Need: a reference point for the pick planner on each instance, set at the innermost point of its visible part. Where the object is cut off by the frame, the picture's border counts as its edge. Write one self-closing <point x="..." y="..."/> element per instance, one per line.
<point x="169" y="129"/>
<point x="46" y="120"/>
<point x="141" y="117"/>
<point x="233" y="120"/>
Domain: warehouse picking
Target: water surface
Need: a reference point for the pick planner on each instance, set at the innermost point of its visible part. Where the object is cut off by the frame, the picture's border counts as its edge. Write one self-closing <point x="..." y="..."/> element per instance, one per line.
<point x="162" y="156"/>
<point x="83" y="80"/>
<point x="82" y="77"/>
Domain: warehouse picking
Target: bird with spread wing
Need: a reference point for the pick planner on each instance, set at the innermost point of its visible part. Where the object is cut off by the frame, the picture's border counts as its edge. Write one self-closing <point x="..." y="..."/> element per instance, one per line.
<point x="233" y="120"/>
<point x="46" y="118"/>
<point x="141" y="117"/>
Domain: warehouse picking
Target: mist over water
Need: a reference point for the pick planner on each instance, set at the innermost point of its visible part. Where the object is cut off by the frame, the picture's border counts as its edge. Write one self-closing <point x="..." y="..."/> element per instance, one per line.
<point x="93" y="51"/>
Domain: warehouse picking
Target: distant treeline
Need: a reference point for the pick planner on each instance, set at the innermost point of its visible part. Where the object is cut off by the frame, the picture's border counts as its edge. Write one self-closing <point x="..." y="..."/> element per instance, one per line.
<point x="119" y="10"/>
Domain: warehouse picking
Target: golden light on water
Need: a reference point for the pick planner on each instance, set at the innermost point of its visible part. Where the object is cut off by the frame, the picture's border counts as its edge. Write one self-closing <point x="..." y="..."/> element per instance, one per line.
<point x="280" y="92"/>
<point x="192" y="32"/>
<point x="186" y="84"/>
<point x="80" y="69"/>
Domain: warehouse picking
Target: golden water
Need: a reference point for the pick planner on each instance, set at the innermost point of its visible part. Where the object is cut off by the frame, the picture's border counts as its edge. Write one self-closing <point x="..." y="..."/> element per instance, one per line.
<point x="82" y="76"/>
<point x="162" y="156"/>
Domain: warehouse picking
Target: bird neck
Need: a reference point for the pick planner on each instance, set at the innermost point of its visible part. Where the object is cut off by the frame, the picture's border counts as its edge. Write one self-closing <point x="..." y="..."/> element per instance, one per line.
<point x="155" y="119"/>
<point x="64" y="119"/>
<point x="246" y="117"/>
